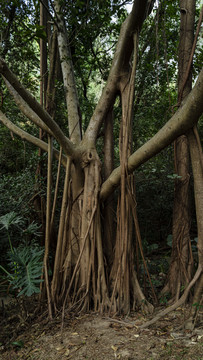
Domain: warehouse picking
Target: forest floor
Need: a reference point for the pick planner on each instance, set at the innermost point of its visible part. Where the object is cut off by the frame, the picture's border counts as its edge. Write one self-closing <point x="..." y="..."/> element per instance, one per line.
<point x="96" y="337"/>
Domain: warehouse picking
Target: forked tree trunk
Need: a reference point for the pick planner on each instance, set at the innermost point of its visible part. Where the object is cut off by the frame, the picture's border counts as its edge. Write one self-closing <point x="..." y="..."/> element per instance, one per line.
<point x="79" y="278"/>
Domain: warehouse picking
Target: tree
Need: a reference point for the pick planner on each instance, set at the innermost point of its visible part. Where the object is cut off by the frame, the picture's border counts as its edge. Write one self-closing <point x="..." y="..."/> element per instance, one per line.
<point x="181" y="258"/>
<point x="80" y="278"/>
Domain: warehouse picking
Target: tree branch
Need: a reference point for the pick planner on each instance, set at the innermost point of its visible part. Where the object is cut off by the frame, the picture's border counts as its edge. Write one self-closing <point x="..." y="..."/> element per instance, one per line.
<point x="50" y="14"/>
<point x="183" y="120"/>
<point x="68" y="77"/>
<point x="32" y="139"/>
<point x="66" y="144"/>
<point x="26" y="110"/>
<point x="119" y="67"/>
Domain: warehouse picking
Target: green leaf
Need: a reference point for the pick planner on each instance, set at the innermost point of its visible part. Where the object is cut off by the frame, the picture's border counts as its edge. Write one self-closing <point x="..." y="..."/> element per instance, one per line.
<point x="19" y="343"/>
<point x="169" y="240"/>
<point x="10" y="219"/>
<point x="27" y="264"/>
<point x="174" y="176"/>
<point x="40" y="33"/>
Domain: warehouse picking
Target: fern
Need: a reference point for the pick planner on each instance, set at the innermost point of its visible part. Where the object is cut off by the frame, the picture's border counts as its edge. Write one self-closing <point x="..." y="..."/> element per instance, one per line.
<point x="26" y="264"/>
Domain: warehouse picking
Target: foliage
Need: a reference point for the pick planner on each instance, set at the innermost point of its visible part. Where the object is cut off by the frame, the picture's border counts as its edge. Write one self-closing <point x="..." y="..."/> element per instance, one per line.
<point x="7" y="220"/>
<point x="26" y="269"/>
<point x="10" y="219"/>
<point x="25" y="260"/>
<point x="93" y="29"/>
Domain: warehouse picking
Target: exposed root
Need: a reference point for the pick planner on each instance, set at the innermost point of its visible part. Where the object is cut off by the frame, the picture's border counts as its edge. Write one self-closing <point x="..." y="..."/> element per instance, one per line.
<point x="178" y="303"/>
<point x="147" y="308"/>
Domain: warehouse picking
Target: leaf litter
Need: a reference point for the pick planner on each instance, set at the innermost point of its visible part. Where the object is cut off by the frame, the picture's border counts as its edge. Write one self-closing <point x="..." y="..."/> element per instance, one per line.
<point x="96" y="337"/>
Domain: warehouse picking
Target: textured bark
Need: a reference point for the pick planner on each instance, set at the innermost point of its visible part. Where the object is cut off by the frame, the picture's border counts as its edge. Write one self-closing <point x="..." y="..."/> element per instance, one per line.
<point x="108" y="209"/>
<point x="60" y="256"/>
<point x="26" y="110"/>
<point x="80" y="278"/>
<point x="30" y="138"/>
<point x="43" y="55"/>
<point x="68" y="77"/>
<point x="197" y="168"/>
<point x="183" y="120"/>
<point x="119" y="67"/>
<point x="180" y="271"/>
<point x="48" y="220"/>
<point x="37" y="108"/>
<point x="124" y="287"/>
<point x="178" y="303"/>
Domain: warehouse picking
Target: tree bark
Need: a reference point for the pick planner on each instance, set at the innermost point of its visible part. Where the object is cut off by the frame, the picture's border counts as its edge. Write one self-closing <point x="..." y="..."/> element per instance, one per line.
<point x="68" y="77"/>
<point x="79" y="275"/>
<point x="183" y="120"/>
<point x="37" y="108"/>
<point x="108" y="208"/>
<point x="197" y="168"/>
<point x="180" y="271"/>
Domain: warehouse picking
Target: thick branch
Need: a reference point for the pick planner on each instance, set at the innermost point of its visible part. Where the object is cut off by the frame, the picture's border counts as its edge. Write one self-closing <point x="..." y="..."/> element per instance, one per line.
<point x="183" y="120"/>
<point x="35" y="106"/>
<point x="119" y="67"/>
<point x="26" y="110"/>
<point x="68" y="77"/>
<point x="32" y="139"/>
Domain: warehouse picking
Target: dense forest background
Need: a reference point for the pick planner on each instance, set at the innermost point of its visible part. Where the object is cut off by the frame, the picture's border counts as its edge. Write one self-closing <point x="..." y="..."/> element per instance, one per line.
<point x="93" y="28"/>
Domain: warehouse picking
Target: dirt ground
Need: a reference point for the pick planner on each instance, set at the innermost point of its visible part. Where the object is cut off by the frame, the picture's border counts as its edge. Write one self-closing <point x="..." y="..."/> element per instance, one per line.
<point x="96" y="337"/>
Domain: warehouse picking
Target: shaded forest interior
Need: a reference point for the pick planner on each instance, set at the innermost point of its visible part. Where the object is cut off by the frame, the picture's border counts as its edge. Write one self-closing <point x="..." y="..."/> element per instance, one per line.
<point x="101" y="187"/>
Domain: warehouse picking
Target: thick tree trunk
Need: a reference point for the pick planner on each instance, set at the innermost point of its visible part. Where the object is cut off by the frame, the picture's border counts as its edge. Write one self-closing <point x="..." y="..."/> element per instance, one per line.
<point x="125" y="287"/>
<point x="181" y="266"/>
<point x="79" y="276"/>
<point x="197" y="168"/>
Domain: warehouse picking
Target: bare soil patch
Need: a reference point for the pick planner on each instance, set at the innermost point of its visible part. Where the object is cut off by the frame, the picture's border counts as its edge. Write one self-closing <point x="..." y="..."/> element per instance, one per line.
<point x="96" y="337"/>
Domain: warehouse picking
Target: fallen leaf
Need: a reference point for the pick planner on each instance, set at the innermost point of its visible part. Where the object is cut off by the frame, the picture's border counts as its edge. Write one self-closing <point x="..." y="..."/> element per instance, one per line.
<point x="59" y="348"/>
<point x="114" y="348"/>
<point x="67" y="352"/>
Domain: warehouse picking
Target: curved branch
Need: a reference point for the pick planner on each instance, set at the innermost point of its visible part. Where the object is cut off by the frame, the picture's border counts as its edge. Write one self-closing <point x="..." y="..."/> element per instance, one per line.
<point x="183" y="120"/>
<point x="66" y="144"/>
<point x="26" y="110"/>
<point x="32" y="139"/>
